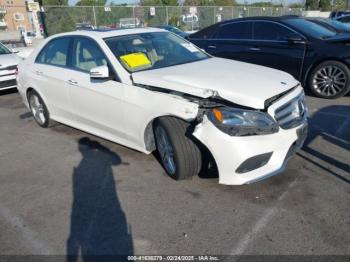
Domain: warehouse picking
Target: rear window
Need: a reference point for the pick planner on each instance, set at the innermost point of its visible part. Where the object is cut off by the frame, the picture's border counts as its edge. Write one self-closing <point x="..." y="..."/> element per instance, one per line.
<point x="205" y="33"/>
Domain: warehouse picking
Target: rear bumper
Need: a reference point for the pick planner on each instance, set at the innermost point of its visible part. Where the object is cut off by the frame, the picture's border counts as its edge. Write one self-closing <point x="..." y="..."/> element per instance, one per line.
<point x="231" y="152"/>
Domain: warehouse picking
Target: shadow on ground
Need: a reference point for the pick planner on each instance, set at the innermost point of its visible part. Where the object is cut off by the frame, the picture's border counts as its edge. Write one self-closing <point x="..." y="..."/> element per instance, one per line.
<point x="332" y="124"/>
<point x="98" y="223"/>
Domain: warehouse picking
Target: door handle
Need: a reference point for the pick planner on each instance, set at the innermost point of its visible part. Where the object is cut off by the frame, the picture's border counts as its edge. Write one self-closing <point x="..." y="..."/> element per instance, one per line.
<point x="72" y="82"/>
<point x="38" y="72"/>
<point x="254" y="49"/>
<point x="212" y="46"/>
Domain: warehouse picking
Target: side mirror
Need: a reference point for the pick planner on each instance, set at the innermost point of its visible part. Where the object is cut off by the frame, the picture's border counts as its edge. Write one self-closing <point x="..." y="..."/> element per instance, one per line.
<point x="100" y="72"/>
<point x="15" y="51"/>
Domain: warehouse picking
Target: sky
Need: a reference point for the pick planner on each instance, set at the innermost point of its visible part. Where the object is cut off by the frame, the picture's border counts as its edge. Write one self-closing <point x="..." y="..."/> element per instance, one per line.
<point x="131" y="2"/>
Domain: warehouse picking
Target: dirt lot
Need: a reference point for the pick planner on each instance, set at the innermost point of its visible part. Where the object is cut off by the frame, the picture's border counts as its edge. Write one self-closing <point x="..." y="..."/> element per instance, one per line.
<point x="58" y="195"/>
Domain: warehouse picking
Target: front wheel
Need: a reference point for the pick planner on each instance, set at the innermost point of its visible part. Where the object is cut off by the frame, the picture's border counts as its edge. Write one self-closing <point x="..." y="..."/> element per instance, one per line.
<point x="330" y="79"/>
<point x="180" y="156"/>
<point x="39" y="109"/>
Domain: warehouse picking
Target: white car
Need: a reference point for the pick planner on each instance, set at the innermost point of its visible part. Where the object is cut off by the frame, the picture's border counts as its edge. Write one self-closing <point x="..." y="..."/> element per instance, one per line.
<point x="149" y="89"/>
<point x="8" y="68"/>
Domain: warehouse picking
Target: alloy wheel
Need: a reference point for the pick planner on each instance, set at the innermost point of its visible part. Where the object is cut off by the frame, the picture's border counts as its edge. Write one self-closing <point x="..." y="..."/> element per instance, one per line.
<point x="165" y="150"/>
<point x="37" y="108"/>
<point x="329" y="80"/>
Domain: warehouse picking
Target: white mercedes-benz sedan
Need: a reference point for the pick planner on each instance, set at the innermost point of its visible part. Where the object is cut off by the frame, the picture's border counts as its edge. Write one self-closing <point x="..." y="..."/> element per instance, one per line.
<point x="149" y="89"/>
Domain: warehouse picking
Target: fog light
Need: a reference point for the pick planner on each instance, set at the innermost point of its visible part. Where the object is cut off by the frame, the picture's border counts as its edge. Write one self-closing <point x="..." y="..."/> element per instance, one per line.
<point x="254" y="163"/>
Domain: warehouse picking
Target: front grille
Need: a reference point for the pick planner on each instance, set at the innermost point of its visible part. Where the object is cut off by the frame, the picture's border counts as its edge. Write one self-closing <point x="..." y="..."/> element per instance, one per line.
<point x="14" y="67"/>
<point x="8" y="83"/>
<point x="292" y="113"/>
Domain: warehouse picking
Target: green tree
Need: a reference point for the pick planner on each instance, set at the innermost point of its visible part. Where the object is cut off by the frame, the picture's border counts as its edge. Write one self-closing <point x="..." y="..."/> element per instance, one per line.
<point x="158" y="3"/>
<point x="296" y="5"/>
<point x="325" y="5"/>
<point x="312" y="4"/>
<point x="91" y="3"/>
<point x="55" y="2"/>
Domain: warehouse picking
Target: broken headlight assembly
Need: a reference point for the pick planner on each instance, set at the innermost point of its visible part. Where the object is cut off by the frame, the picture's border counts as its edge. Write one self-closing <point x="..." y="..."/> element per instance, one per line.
<point x="242" y="122"/>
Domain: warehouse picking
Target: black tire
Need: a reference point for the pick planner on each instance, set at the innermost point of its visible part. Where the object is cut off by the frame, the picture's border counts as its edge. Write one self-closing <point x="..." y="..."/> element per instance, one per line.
<point x="47" y="122"/>
<point x="316" y="75"/>
<point x="186" y="154"/>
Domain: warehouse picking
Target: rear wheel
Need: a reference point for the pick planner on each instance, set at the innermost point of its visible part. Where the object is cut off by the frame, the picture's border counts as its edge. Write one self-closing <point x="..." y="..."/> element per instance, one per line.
<point x="330" y="79"/>
<point x="180" y="156"/>
<point x="39" y="109"/>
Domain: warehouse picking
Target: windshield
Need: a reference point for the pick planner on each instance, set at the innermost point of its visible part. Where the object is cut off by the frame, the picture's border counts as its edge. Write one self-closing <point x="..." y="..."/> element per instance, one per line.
<point x="338" y="25"/>
<point x="4" y="50"/>
<point x="311" y="29"/>
<point x="153" y="50"/>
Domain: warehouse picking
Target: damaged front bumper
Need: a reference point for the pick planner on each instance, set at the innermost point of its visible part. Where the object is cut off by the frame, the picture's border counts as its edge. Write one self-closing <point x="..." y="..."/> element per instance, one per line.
<point x="247" y="159"/>
<point x="231" y="152"/>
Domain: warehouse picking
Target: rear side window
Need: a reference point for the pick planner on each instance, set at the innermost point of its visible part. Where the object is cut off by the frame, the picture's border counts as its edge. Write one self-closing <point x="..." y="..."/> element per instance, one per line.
<point x="239" y="30"/>
<point x="55" y="52"/>
<point x="271" y="31"/>
<point x="205" y="33"/>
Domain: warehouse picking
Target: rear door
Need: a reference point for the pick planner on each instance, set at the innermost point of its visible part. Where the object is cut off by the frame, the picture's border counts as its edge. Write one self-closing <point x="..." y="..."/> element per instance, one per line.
<point x="232" y="41"/>
<point x="49" y="77"/>
<point x="277" y="46"/>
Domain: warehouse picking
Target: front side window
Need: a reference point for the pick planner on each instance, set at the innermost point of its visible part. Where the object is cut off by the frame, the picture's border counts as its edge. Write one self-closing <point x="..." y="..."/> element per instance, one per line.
<point x="239" y="30"/>
<point x="345" y="19"/>
<point x="87" y="55"/>
<point x="271" y="31"/>
<point x="310" y="28"/>
<point x="153" y="50"/>
<point x="55" y="52"/>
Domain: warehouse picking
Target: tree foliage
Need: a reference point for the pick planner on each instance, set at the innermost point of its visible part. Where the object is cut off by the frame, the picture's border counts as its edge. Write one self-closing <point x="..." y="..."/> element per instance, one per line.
<point x="312" y="4"/>
<point x="55" y="2"/>
<point x="325" y="5"/>
<point x="91" y="3"/>
<point x="158" y="3"/>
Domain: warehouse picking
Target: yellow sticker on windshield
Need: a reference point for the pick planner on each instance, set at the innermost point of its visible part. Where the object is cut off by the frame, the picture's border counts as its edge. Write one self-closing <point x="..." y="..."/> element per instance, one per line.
<point x="135" y="60"/>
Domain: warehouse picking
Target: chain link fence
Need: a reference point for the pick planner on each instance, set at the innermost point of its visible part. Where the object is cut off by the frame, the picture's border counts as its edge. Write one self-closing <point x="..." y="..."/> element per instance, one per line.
<point x="67" y="18"/>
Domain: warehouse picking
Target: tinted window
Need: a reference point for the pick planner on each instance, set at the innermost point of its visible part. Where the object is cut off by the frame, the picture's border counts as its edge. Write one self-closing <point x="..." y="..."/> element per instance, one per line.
<point x="310" y="28"/>
<point x="271" y="31"/>
<point x="241" y="30"/>
<point x="345" y="19"/>
<point x="87" y="55"/>
<point x="205" y="33"/>
<point x="55" y="52"/>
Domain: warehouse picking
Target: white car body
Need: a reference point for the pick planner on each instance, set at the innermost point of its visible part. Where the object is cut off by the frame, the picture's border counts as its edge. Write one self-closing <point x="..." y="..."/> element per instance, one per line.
<point x="123" y="111"/>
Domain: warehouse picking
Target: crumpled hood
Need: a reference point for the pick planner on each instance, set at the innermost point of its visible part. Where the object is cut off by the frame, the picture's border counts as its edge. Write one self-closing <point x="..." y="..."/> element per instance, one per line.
<point x="9" y="60"/>
<point x="241" y="83"/>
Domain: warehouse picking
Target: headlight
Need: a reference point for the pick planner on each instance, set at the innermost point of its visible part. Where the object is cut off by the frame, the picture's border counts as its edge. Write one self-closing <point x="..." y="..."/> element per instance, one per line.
<point x="240" y="122"/>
